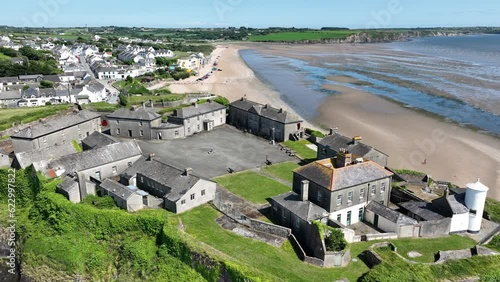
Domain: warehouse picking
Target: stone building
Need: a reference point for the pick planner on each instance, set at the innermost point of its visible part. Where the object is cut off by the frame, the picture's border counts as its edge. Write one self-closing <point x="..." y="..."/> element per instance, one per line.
<point x="144" y="123"/>
<point x="97" y="140"/>
<point x="330" y="146"/>
<point x="180" y="190"/>
<point x="61" y="129"/>
<point x="88" y="168"/>
<point x="125" y="197"/>
<point x="266" y="121"/>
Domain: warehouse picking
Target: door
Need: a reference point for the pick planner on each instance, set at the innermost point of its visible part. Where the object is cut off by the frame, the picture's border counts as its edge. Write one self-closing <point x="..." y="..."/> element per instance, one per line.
<point x="375" y="221"/>
<point x="349" y="213"/>
<point x="130" y="133"/>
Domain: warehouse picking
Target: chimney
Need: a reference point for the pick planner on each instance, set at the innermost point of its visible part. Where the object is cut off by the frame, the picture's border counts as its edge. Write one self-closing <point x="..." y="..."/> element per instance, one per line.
<point x="356" y="139"/>
<point x="151" y="157"/>
<point x="280" y="111"/>
<point x="209" y="101"/>
<point x="188" y="171"/>
<point x="195" y="105"/>
<point x="304" y="189"/>
<point x="265" y="106"/>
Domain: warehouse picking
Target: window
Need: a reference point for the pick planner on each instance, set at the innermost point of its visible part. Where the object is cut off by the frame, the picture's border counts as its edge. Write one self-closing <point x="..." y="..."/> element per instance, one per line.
<point x="360" y="214"/>
<point x="141" y="132"/>
<point x="198" y="117"/>
<point x="297" y="222"/>
<point x="141" y="179"/>
<point x="349" y="197"/>
<point x="192" y="196"/>
<point x="349" y="214"/>
<point x="339" y="200"/>
<point x="183" y="202"/>
<point x="203" y="192"/>
<point x="362" y="193"/>
<point x="117" y="131"/>
<point x="374" y="189"/>
<point x="198" y="127"/>
<point x="140" y="123"/>
<point x="117" y="122"/>
<point x="320" y="197"/>
<point x="114" y="169"/>
<point x="382" y="188"/>
<point x="189" y="129"/>
<point x="177" y="133"/>
<point x="339" y="217"/>
<point x="98" y="175"/>
<point x="44" y="139"/>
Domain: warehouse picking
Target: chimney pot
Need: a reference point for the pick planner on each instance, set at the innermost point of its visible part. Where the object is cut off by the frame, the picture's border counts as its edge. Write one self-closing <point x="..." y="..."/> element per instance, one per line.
<point x="304" y="187"/>
<point x="151" y="156"/>
<point x="188" y="171"/>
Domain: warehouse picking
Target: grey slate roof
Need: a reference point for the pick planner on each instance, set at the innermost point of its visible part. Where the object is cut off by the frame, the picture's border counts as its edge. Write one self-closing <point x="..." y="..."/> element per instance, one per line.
<point x="96" y="157"/>
<point x="53" y="78"/>
<point x="455" y="202"/>
<point x="41" y="157"/>
<point x="69" y="184"/>
<point x="421" y="209"/>
<point x="97" y="140"/>
<point x="10" y="95"/>
<point x="176" y="183"/>
<point x="117" y="189"/>
<point x="323" y="173"/>
<point x="266" y="111"/>
<point x="306" y="210"/>
<point x="390" y="214"/>
<point x="38" y="129"/>
<point x="139" y="114"/>
<point x="47" y="92"/>
<point x="199" y="109"/>
<point x="337" y="142"/>
<point x="30" y="77"/>
<point x="9" y="79"/>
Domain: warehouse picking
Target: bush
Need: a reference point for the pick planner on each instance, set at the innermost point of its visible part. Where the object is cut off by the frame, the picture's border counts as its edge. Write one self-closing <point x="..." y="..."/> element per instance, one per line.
<point x="122" y="100"/>
<point x="315" y="133"/>
<point x="333" y="237"/>
<point x="46" y="84"/>
<point x="100" y="202"/>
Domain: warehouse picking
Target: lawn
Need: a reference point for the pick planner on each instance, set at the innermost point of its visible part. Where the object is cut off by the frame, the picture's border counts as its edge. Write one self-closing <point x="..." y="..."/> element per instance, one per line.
<point x="301" y="149"/>
<point x="493" y="209"/>
<point x="282" y="263"/>
<point x="494" y="243"/>
<point x="428" y="247"/>
<point x="283" y="170"/>
<point x="297" y="36"/>
<point x="137" y="99"/>
<point x="252" y="186"/>
<point x="26" y="115"/>
<point x="101" y="107"/>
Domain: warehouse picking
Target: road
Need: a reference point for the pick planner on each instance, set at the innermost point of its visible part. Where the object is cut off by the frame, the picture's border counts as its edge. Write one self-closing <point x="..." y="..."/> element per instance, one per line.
<point x="113" y="98"/>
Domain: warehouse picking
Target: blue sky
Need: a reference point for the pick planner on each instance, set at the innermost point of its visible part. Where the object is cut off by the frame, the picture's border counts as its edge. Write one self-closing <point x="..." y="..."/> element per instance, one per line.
<point x="254" y="13"/>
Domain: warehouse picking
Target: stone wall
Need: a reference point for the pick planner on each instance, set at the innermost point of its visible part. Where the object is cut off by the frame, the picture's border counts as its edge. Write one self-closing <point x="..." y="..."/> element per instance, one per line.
<point x="435" y="228"/>
<point x="269" y="228"/>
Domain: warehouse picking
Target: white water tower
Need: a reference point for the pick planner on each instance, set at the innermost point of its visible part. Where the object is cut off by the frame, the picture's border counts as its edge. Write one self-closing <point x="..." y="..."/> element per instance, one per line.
<point x="475" y="199"/>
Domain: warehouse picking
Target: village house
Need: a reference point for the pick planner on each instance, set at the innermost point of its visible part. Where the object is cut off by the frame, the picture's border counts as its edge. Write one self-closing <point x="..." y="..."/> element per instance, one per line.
<point x="181" y="190"/>
<point x="40" y="158"/>
<point x="89" y="168"/>
<point x="332" y="144"/>
<point x="58" y="130"/>
<point x="145" y="123"/>
<point x="193" y="62"/>
<point x="97" y="140"/>
<point x="266" y="121"/>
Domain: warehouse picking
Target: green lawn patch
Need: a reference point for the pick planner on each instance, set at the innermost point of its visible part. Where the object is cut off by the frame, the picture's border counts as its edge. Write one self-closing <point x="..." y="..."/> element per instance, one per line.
<point x="301" y="149"/>
<point x="494" y="243"/>
<point x="429" y="247"/>
<point x="283" y="170"/>
<point x="25" y="115"/>
<point x="101" y="107"/>
<point x="252" y="186"/>
<point x="493" y="209"/>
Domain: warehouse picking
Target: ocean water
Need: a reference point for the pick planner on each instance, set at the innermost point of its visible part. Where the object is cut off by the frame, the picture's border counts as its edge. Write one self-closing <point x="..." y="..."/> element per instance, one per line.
<point x="457" y="78"/>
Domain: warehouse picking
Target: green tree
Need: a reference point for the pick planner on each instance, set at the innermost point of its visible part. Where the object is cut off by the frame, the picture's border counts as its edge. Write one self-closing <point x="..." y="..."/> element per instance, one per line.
<point x="334" y="240"/>
<point x="122" y="99"/>
<point x="46" y="84"/>
<point x="129" y="79"/>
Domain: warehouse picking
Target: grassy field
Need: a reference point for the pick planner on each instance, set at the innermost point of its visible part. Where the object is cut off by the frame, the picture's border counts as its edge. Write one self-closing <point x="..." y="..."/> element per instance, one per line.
<point x="283" y="170"/>
<point x="297" y="36"/>
<point x="493" y="209"/>
<point x="25" y="115"/>
<point x="252" y="186"/>
<point x="301" y="150"/>
<point x="429" y="247"/>
<point x="137" y="99"/>
<point x="101" y="107"/>
<point x="494" y="243"/>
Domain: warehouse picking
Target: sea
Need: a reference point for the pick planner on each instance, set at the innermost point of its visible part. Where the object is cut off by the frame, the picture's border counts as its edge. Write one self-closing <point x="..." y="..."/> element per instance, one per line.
<point x="454" y="78"/>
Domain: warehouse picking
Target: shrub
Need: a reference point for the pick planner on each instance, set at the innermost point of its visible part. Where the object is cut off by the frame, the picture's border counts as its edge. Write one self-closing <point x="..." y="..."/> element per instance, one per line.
<point x="46" y="84"/>
<point x="315" y="133"/>
<point x="333" y="237"/>
<point x="122" y="100"/>
<point x="100" y="202"/>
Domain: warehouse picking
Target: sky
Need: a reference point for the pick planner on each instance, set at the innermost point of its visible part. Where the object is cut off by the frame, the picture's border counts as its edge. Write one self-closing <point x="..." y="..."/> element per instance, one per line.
<point x="252" y="13"/>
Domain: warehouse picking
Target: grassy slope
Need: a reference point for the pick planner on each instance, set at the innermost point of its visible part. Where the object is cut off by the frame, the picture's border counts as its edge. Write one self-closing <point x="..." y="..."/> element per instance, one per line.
<point x="308" y="35"/>
<point x="283" y="170"/>
<point x="25" y="115"/>
<point x="252" y="186"/>
<point x="134" y="100"/>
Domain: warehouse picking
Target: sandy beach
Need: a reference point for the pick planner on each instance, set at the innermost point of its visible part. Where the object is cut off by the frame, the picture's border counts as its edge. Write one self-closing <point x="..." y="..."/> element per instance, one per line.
<point x="409" y="137"/>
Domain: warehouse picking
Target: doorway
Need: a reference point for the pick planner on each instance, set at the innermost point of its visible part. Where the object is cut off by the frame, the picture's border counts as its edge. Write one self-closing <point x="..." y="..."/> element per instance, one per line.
<point x="375" y="221"/>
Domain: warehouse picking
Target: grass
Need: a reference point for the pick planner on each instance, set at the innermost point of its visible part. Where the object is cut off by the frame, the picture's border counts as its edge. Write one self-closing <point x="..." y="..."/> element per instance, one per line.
<point x="252" y="186"/>
<point x="301" y="149"/>
<point x="494" y="243"/>
<point x="493" y="209"/>
<point x="101" y="107"/>
<point x="283" y="170"/>
<point x="429" y="247"/>
<point x="299" y="36"/>
<point x="4" y="57"/>
<point x="25" y="115"/>
<point x="137" y="99"/>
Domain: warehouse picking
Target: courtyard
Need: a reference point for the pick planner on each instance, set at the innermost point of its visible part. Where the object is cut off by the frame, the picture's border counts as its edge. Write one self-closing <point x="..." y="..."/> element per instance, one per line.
<point x="212" y="154"/>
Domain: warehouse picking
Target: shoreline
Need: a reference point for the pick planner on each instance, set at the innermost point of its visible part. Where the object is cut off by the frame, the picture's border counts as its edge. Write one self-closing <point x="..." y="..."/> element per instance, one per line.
<point x="407" y="135"/>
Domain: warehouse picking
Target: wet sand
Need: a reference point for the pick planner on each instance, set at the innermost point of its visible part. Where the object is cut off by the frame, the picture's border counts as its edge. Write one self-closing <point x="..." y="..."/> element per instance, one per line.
<point x="409" y="137"/>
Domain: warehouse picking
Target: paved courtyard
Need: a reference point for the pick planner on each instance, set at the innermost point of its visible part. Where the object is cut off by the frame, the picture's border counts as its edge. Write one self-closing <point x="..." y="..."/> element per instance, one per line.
<point x="211" y="154"/>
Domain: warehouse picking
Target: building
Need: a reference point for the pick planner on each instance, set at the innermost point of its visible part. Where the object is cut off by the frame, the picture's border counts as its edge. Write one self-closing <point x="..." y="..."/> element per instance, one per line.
<point x="390" y="220"/>
<point x="40" y="158"/>
<point x="334" y="143"/>
<point x="265" y="121"/>
<point x="58" y="130"/>
<point x="96" y="140"/>
<point x="145" y="123"/>
<point x="181" y="190"/>
<point x="89" y="168"/>
<point x="125" y="197"/>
